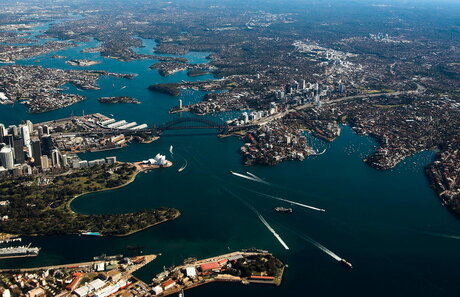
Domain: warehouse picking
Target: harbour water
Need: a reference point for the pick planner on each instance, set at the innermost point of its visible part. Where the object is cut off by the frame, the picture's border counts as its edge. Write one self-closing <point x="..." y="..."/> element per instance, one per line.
<point x="389" y="224"/>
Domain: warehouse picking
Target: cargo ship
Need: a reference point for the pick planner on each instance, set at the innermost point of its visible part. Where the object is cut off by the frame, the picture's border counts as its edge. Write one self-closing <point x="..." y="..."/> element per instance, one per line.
<point x="283" y="209"/>
<point x="19" y="252"/>
<point x="346" y="263"/>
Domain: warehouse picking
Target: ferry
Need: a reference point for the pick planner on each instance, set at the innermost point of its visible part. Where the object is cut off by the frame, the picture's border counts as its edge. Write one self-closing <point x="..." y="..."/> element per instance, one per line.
<point x="91" y="234"/>
<point x="283" y="209"/>
<point x="346" y="263"/>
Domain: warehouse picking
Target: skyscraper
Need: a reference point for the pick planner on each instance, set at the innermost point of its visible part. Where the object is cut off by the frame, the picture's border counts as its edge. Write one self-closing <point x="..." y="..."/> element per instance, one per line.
<point x="14" y="130"/>
<point x="6" y="157"/>
<point x="40" y="132"/>
<point x="26" y="137"/>
<point x="56" y="158"/>
<point x="30" y="126"/>
<point x="47" y="144"/>
<point x="46" y="129"/>
<point x="8" y="139"/>
<point x="3" y="132"/>
<point x="45" y="163"/>
<point x="18" y="147"/>
<point x="37" y="152"/>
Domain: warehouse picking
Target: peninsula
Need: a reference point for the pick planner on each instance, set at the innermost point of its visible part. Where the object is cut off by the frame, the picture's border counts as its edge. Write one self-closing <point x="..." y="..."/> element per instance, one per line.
<point x="248" y="266"/>
<point x="40" y="205"/>
<point x="114" y="100"/>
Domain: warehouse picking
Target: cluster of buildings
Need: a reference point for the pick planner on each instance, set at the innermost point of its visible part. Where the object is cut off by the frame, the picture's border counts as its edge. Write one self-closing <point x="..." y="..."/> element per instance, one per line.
<point x="10" y="53"/>
<point x="273" y="143"/>
<point x="40" y="88"/>
<point x="24" y="148"/>
<point x="226" y="268"/>
<point x="27" y="149"/>
<point x="248" y="118"/>
<point x="303" y="92"/>
<point x="91" y="279"/>
<point x="121" y="125"/>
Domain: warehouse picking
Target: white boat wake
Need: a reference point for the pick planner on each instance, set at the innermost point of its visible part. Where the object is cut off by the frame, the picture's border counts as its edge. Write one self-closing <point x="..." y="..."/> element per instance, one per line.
<point x="249" y="178"/>
<point x="318" y="245"/>
<point x="273" y="231"/>
<point x="254" y="176"/>
<point x="440" y="235"/>
<point x="183" y="166"/>
<point x="322" y="247"/>
<point x="262" y="219"/>
<point x="319" y="154"/>
<point x="288" y="201"/>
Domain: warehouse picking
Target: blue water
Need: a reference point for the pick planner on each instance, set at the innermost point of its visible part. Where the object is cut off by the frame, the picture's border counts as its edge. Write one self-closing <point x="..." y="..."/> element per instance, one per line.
<point x="378" y="220"/>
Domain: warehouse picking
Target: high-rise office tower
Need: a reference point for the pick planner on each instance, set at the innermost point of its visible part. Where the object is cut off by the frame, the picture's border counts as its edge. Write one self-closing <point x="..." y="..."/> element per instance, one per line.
<point x="19" y="156"/>
<point x="30" y="126"/>
<point x="40" y="132"/>
<point x="56" y="158"/>
<point x="14" y="130"/>
<point x="37" y="151"/>
<point x="25" y="132"/>
<point x="45" y="163"/>
<point x="3" y="132"/>
<point x="8" y="139"/>
<point x="6" y="157"/>
<point x="47" y="145"/>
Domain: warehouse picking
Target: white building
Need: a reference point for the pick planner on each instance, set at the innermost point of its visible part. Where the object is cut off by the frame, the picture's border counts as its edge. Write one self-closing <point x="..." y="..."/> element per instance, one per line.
<point x="89" y="288"/>
<point x="190" y="272"/>
<point x="158" y="160"/>
<point x="26" y="136"/>
<point x="7" y="157"/>
<point x="158" y="290"/>
<point x="111" y="160"/>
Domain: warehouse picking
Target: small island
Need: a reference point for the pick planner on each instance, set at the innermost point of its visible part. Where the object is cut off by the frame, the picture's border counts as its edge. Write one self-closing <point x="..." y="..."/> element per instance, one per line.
<point x="114" y="100"/>
<point x="171" y="89"/>
<point x="82" y="63"/>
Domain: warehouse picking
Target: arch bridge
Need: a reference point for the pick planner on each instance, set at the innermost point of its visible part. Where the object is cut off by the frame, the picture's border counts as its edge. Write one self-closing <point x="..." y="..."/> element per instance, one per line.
<point x="191" y="123"/>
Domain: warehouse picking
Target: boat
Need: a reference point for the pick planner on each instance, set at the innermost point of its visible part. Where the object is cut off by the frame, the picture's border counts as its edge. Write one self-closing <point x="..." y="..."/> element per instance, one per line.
<point x="171" y="149"/>
<point x="91" y="233"/>
<point x="283" y="209"/>
<point x="346" y="263"/>
<point x="183" y="167"/>
<point x="19" y="252"/>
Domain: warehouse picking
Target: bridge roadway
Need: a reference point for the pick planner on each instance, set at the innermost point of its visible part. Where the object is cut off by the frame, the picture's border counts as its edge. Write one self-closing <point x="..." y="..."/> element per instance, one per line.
<point x="210" y="124"/>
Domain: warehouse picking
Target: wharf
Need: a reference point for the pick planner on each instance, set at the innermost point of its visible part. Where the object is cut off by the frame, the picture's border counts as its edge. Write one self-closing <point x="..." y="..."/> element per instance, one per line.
<point x="147" y="260"/>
